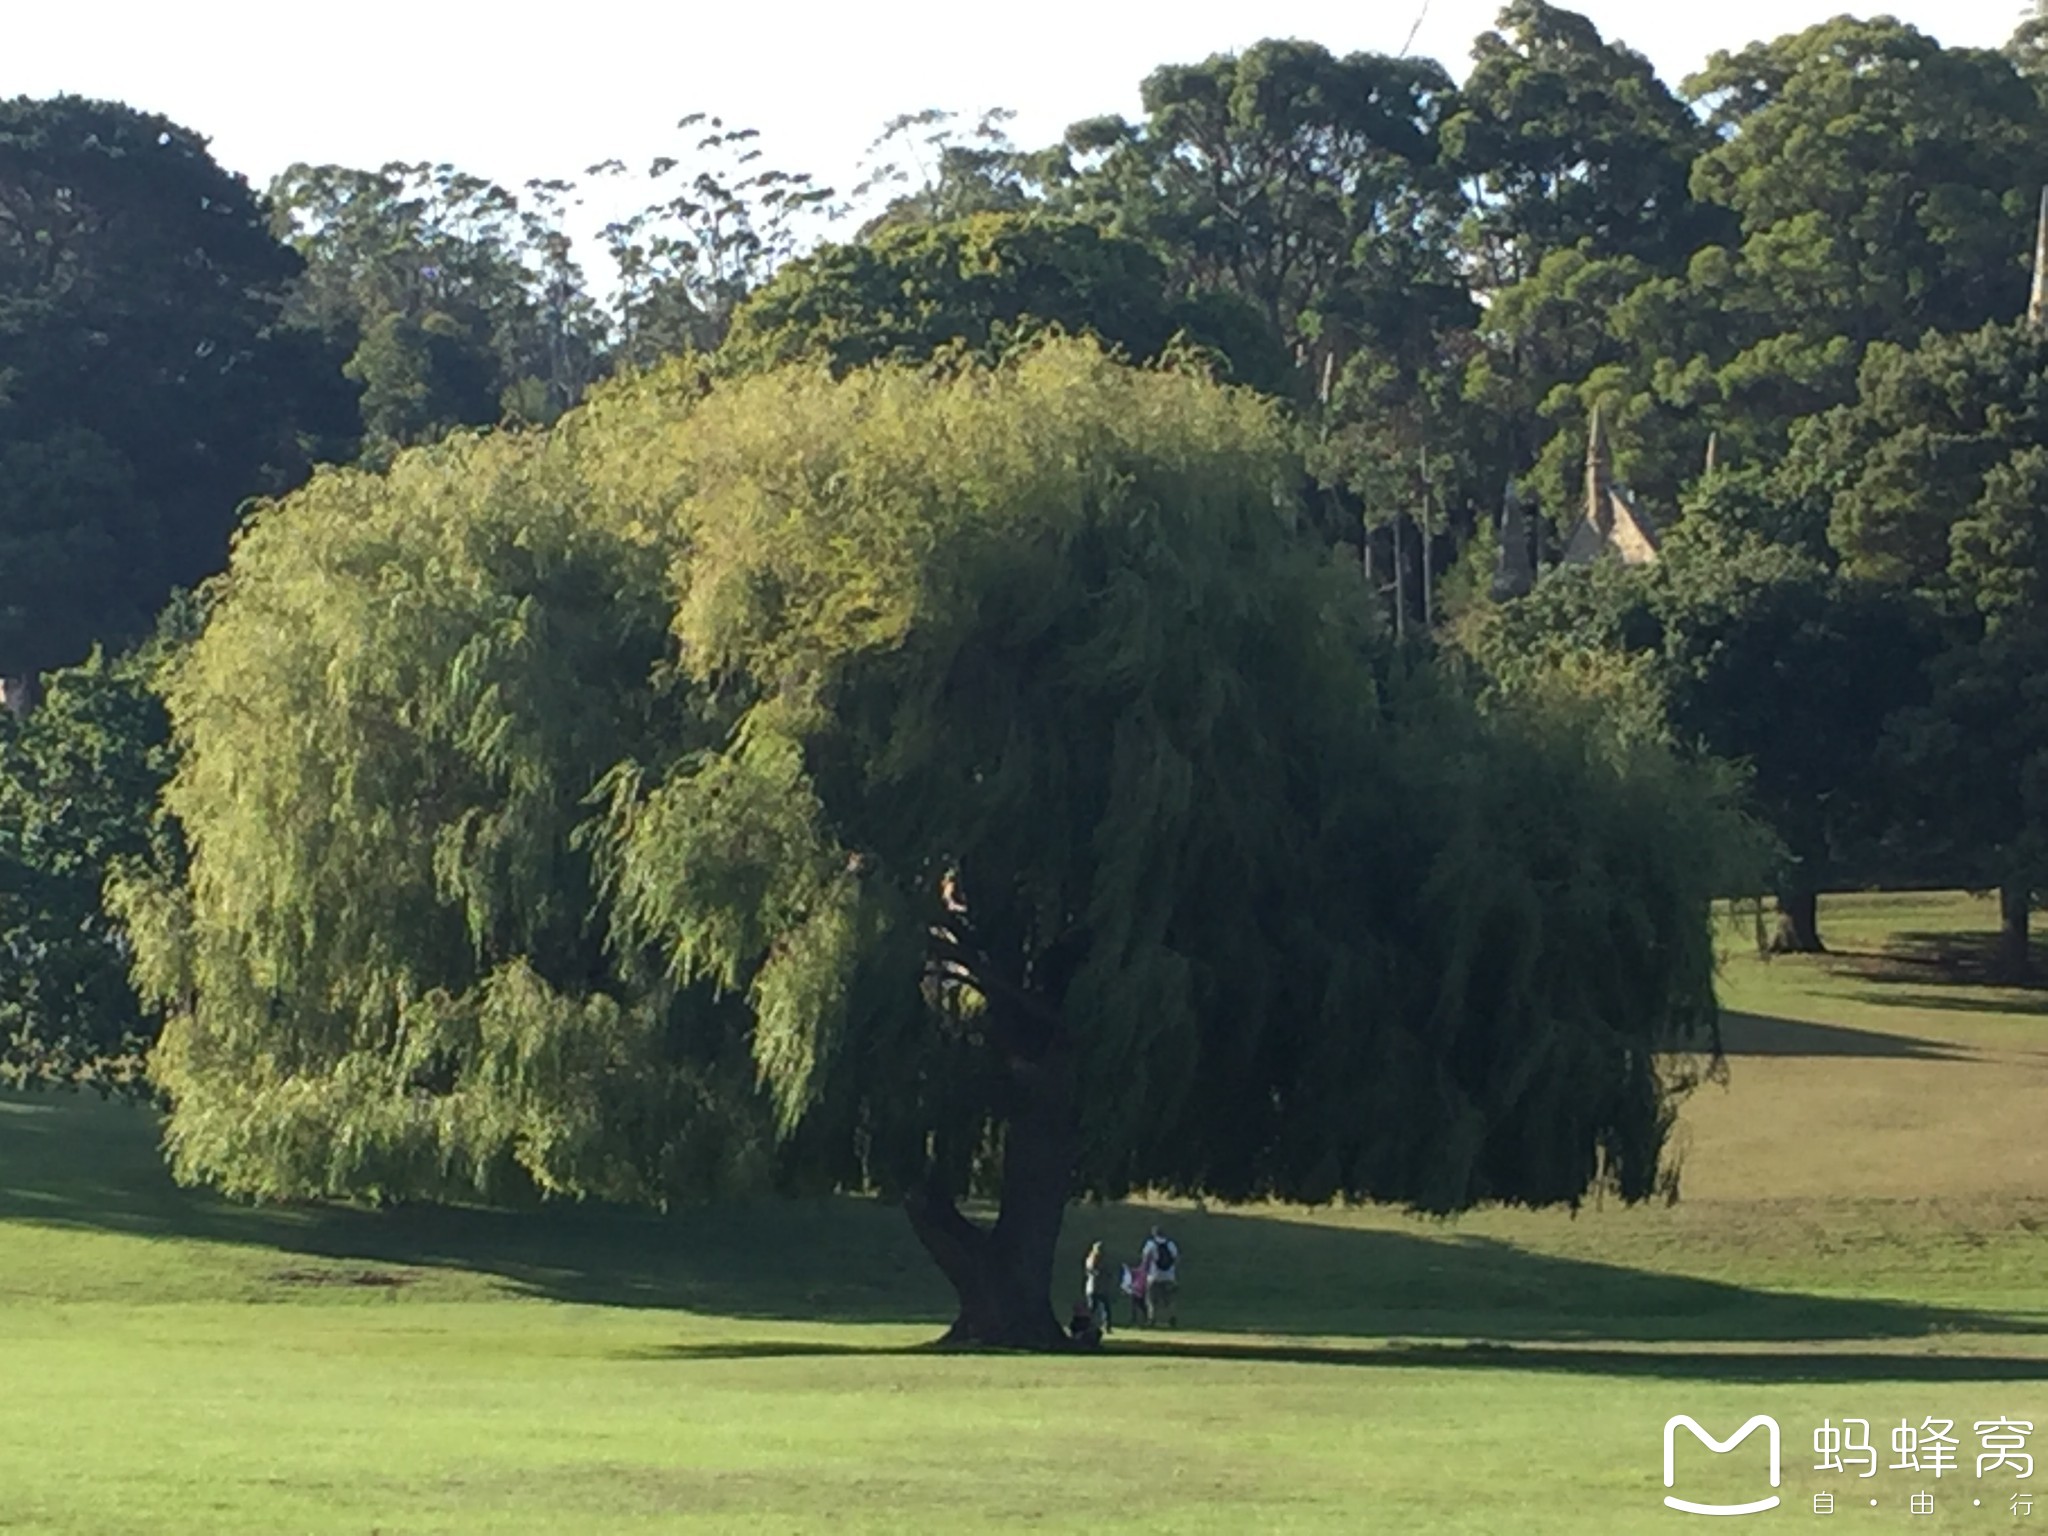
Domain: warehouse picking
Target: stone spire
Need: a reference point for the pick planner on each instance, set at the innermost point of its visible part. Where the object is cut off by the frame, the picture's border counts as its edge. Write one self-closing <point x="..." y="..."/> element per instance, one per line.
<point x="1613" y="524"/>
<point x="2037" y="304"/>
<point x="1599" y="476"/>
<point x="1516" y="572"/>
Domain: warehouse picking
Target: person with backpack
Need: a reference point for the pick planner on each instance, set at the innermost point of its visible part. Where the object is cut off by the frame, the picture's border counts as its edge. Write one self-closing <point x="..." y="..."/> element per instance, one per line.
<point x="1160" y="1261"/>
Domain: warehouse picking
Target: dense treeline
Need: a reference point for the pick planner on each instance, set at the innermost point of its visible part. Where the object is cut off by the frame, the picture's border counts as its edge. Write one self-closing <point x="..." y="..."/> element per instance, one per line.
<point x="1444" y="280"/>
<point x="527" y="808"/>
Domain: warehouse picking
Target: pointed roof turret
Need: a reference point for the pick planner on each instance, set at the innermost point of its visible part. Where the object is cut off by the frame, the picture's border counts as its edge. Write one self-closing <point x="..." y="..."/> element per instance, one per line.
<point x="1599" y="475"/>
<point x="1515" y="575"/>
<point x="1613" y="524"/>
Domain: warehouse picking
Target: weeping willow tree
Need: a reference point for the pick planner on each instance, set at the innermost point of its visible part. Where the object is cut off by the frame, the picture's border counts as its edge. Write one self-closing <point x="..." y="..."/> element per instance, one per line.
<point x="947" y="787"/>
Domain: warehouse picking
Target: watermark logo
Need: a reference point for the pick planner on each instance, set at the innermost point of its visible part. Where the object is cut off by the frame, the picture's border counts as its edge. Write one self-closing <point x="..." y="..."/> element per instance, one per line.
<point x="1719" y="1447"/>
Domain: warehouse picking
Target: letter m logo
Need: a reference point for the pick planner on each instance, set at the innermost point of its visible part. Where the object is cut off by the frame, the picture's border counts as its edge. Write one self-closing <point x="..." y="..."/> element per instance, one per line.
<point x="1718" y="1447"/>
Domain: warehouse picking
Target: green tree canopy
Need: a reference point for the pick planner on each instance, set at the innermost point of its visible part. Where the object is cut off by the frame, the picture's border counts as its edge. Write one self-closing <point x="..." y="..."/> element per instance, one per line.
<point x="1304" y="182"/>
<point x="936" y="173"/>
<point x="1313" y="188"/>
<point x="1572" y="142"/>
<point x="988" y="283"/>
<point x="1736" y="632"/>
<point x="454" y="304"/>
<point x="79" y="780"/>
<point x="146" y="385"/>
<point x="722" y="221"/>
<point x="996" y="795"/>
<point x="1878" y="177"/>
<point x="1940" y="473"/>
<point x="1870" y="184"/>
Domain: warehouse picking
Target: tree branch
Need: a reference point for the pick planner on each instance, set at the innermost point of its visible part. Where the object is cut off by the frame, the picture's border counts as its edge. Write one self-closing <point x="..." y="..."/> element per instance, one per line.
<point x="1009" y="1001"/>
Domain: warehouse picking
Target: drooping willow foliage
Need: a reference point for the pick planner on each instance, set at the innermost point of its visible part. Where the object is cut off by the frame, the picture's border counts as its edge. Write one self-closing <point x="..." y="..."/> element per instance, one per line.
<point x="681" y="797"/>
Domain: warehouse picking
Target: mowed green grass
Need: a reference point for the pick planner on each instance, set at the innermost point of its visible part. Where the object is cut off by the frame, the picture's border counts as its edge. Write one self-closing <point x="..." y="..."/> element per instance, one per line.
<point x="1860" y="1234"/>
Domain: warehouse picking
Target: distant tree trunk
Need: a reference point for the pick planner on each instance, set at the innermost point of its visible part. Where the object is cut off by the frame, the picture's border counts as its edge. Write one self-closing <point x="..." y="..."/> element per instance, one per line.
<point x="17" y="694"/>
<point x="1003" y="1275"/>
<point x="1400" y="579"/>
<point x="1428" y="593"/>
<point x="1426" y="529"/>
<point x="2014" y="904"/>
<point x="1798" y="930"/>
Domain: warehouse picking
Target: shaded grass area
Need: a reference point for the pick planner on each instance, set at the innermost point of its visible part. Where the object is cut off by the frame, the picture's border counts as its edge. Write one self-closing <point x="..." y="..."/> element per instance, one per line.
<point x="81" y="1171"/>
<point x="1941" y="958"/>
<point x="1749" y="1034"/>
<point x="78" y="1167"/>
<point x="1773" y="1367"/>
<point x="1915" y="951"/>
<point x="1862" y="1232"/>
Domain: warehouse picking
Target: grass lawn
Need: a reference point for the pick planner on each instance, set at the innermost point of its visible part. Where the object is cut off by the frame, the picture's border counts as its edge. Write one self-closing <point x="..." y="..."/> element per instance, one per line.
<point x="1861" y="1235"/>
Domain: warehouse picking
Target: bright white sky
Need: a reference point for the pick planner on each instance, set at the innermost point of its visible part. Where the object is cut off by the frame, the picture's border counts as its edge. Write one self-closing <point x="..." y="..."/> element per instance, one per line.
<point x="511" y="92"/>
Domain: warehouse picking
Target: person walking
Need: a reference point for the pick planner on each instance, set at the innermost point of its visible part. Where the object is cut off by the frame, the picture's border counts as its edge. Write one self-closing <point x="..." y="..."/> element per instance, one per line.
<point x="1098" y="1287"/>
<point x="1132" y="1283"/>
<point x="1161" y="1262"/>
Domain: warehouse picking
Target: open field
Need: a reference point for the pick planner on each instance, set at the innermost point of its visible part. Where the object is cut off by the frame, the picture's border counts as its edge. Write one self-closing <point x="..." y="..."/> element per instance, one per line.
<point x="1861" y="1234"/>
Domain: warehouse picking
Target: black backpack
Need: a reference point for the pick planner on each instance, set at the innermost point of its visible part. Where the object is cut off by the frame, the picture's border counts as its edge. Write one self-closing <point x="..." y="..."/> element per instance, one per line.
<point x="1165" y="1258"/>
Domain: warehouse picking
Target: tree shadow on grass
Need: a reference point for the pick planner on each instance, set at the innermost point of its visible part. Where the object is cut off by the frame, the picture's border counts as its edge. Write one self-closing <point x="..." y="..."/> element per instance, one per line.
<point x="2009" y="1001"/>
<point x="1767" y="1367"/>
<point x="1759" y="1366"/>
<point x="1755" y="1034"/>
<point x="71" y="1163"/>
<point x="1944" y="964"/>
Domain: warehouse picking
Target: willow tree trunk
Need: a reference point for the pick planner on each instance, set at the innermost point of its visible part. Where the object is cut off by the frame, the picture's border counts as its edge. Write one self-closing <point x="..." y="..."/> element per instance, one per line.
<point x="1003" y="1275"/>
<point x="1798" y="930"/>
<point x="2014" y="907"/>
